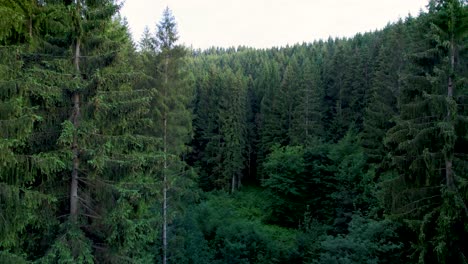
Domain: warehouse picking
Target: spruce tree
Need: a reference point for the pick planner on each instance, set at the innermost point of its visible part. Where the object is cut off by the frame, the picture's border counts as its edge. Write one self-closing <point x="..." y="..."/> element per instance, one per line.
<point x="386" y="86"/>
<point x="307" y="117"/>
<point x="431" y="125"/>
<point x="287" y="94"/>
<point x="163" y="62"/>
<point x="64" y="62"/>
<point x="31" y="70"/>
<point x="337" y="100"/>
<point x="270" y="129"/>
<point x="221" y="129"/>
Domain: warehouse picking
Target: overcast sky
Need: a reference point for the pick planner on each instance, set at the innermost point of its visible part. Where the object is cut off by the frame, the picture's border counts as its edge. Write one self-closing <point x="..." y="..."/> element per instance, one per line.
<point x="267" y="23"/>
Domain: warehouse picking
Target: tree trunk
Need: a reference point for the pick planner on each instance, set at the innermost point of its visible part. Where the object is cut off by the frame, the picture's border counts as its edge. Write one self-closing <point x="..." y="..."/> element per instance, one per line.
<point x="307" y="114"/>
<point x="166" y="64"/>
<point x="75" y="118"/>
<point x="30" y="22"/>
<point x="448" y="157"/>
<point x="233" y="184"/>
<point x="30" y="28"/>
<point x="76" y="160"/>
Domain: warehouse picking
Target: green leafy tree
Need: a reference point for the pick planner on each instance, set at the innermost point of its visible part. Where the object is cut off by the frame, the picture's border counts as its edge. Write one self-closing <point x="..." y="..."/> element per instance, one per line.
<point x="285" y="168"/>
<point x="353" y="180"/>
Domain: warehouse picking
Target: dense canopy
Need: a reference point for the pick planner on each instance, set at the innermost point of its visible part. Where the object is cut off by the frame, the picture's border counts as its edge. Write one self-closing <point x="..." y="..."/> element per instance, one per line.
<point x="349" y="150"/>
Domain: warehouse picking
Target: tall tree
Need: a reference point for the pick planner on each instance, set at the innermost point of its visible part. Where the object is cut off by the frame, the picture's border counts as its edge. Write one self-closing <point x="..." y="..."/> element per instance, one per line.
<point x="431" y="125"/>
<point x="172" y="113"/>
<point x="31" y="114"/>
<point x="307" y="117"/>
<point x="337" y="100"/>
<point x="386" y="86"/>
<point x="270" y="129"/>
<point x="221" y="129"/>
<point x="70" y="64"/>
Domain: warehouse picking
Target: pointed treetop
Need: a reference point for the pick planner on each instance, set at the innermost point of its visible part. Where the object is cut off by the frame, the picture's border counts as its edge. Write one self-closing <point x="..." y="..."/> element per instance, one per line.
<point x="147" y="42"/>
<point x="167" y="34"/>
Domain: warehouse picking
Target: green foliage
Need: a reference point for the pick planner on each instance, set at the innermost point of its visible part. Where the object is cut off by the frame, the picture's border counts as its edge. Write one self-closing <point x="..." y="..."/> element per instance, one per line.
<point x="390" y="70"/>
<point x="367" y="241"/>
<point x="354" y="181"/>
<point x="233" y="231"/>
<point x="337" y="174"/>
<point x="8" y="258"/>
<point x="307" y="123"/>
<point x="286" y="182"/>
<point x="220" y="129"/>
<point x="72" y="247"/>
<point x="359" y="145"/>
<point x="43" y="136"/>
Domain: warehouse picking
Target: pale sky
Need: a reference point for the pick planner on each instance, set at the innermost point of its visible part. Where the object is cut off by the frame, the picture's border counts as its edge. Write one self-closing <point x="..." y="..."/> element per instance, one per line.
<point x="267" y="23"/>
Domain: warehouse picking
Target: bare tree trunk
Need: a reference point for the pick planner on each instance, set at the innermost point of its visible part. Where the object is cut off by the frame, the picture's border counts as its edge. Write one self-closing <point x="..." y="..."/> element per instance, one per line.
<point x="30" y="27"/>
<point x="448" y="157"/>
<point x="76" y="160"/>
<point x="233" y="184"/>
<point x="307" y="114"/>
<point x="165" y="164"/>
<point x="165" y="212"/>
<point x="30" y="22"/>
<point x="75" y="118"/>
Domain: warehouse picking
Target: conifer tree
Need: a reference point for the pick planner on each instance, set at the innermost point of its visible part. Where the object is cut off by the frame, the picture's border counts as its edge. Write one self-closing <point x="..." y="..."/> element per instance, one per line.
<point x="430" y="127"/>
<point x="170" y="112"/>
<point x="67" y="63"/>
<point x="270" y="129"/>
<point x="386" y="86"/>
<point x="148" y="42"/>
<point x="31" y="75"/>
<point x="335" y="88"/>
<point x="307" y="117"/>
<point x="19" y="201"/>
<point x="287" y="94"/>
<point x="221" y="129"/>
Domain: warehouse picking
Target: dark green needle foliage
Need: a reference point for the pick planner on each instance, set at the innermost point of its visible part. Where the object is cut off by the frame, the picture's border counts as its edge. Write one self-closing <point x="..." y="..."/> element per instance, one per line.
<point x="345" y="150"/>
<point x="429" y="132"/>
<point x="71" y="51"/>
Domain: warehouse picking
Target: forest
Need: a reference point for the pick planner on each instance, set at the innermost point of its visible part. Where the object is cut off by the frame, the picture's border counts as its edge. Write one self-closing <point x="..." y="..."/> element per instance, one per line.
<point x="345" y="150"/>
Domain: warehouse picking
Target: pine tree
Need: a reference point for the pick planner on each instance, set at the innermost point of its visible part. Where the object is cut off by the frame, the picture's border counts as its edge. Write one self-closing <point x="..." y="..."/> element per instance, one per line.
<point x="20" y="199"/>
<point x="337" y="99"/>
<point x="221" y="129"/>
<point x="170" y="112"/>
<point x="307" y="117"/>
<point x="270" y="129"/>
<point x="427" y="133"/>
<point x="386" y="86"/>
<point x="67" y="63"/>
<point x="287" y="94"/>
<point x="234" y="128"/>
<point x="31" y="66"/>
<point x="148" y="42"/>
<point x="359" y="77"/>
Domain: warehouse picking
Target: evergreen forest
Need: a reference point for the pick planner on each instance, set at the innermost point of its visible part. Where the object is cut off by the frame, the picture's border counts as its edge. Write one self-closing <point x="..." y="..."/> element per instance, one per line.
<point x="345" y="150"/>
